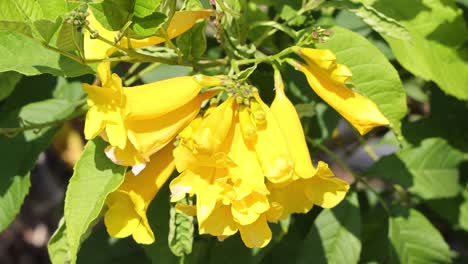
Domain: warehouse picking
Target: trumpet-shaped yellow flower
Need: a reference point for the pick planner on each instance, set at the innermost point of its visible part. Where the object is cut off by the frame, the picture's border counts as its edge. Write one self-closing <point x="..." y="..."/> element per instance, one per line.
<point x="231" y="196"/>
<point x="96" y="49"/>
<point x="158" y="98"/>
<point x="106" y="108"/>
<point x="327" y="79"/>
<point x="128" y="204"/>
<point x="140" y="120"/>
<point x="276" y="161"/>
<point x="311" y="185"/>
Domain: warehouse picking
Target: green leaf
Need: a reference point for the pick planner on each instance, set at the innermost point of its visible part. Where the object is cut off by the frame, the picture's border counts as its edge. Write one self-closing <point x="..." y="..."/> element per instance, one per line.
<point x="99" y="248"/>
<point x="463" y="219"/>
<point x="24" y="55"/>
<point x="57" y="247"/>
<point x="335" y="235"/>
<point x="69" y="39"/>
<point x="415" y="240"/>
<point x="8" y="83"/>
<point x="112" y="14"/>
<point x="149" y="25"/>
<point x="381" y="23"/>
<point x="47" y="111"/>
<point x="145" y="8"/>
<point x="18" y="157"/>
<point x="373" y="75"/>
<point x="437" y="50"/>
<point x="193" y="42"/>
<point x="430" y="170"/>
<point x="445" y="113"/>
<point x="19" y="153"/>
<point x="94" y="178"/>
<point x="180" y="233"/>
<point x="244" y="74"/>
<point x="47" y="28"/>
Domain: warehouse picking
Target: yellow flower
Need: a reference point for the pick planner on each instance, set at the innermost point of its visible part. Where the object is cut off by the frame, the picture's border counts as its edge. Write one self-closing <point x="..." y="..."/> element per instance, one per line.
<point x="310" y="185"/>
<point x="327" y="79"/>
<point x="222" y="170"/>
<point x="276" y="160"/>
<point x="146" y="137"/>
<point x="140" y="120"/>
<point x="106" y="108"/>
<point x="96" y="49"/>
<point x="128" y="204"/>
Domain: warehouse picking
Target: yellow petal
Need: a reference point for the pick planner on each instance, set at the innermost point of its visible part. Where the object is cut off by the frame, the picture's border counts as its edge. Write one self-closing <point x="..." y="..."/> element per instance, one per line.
<point x="361" y="112"/>
<point x="276" y="162"/>
<point x="95" y="49"/>
<point x="180" y="23"/>
<point x="184" y="20"/>
<point x="117" y="134"/>
<point x="213" y="130"/>
<point x="219" y="222"/>
<point x="324" y="58"/>
<point x="121" y="220"/>
<point x="257" y="234"/>
<point x="94" y="123"/>
<point x="291" y="199"/>
<point x="325" y="190"/>
<point x="128" y="204"/>
<point x="128" y="156"/>
<point x="247" y="125"/>
<point x="190" y="210"/>
<point x="291" y="127"/>
<point x="149" y="136"/>
<point x="158" y="98"/>
<point x="341" y="73"/>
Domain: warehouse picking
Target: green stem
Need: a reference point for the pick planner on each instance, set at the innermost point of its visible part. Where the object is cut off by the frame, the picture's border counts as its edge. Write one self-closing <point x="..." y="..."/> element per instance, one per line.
<point x="269" y="59"/>
<point x="13" y="131"/>
<point x="367" y="148"/>
<point x="141" y="73"/>
<point x="348" y="169"/>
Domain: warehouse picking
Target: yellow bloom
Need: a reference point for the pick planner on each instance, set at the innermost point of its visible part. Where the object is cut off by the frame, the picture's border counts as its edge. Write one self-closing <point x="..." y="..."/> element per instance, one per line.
<point x="106" y="108"/>
<point x="128" y="204"/>
<point x="231" y="195"/>
<point x="140" y="120"/>
<point x="276" y="160"/>
<point x="311" y="185"/>
<point x="96" y="49"/>
<point x="158" y="98"/>
<point x="327" y="79"/>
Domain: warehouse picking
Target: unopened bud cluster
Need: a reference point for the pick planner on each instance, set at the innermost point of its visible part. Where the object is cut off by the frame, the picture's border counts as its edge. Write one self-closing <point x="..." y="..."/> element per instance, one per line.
<point x="77" y="19"/>
<point x="320" y="34"/>
<point x="242" y="92"/>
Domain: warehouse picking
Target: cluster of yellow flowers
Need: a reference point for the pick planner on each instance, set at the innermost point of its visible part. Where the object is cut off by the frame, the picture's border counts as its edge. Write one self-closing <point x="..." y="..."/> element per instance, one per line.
<point x="247" y="163"/>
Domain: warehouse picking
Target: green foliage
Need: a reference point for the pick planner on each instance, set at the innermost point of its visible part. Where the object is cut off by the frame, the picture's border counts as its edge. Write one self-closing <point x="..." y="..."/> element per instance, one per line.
<point x="95" y="176"/>
<point x="381" y="23"/>
<point x="437" y="50"/>
<point x="180" y="233"/>
<point x="415" y="240"/>
<point x="193" y="42"/>
<point x="8" y="84"/>
<point x="373" y="75"/>
<point x="408" y="201"/>
<point x="335" y="235"/>
<point x="429" y="170"/>
<point x="57" y="246"/>
<point x="20" y="151"/>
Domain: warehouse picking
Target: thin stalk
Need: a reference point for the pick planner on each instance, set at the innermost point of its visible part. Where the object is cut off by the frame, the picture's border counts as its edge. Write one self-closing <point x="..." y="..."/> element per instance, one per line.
<point x="367" y="148"/>
<point x="141" y="73"/>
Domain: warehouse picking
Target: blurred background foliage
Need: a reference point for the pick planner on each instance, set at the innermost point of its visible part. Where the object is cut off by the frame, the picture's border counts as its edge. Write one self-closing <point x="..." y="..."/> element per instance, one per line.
<point x="409" y="200"/>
